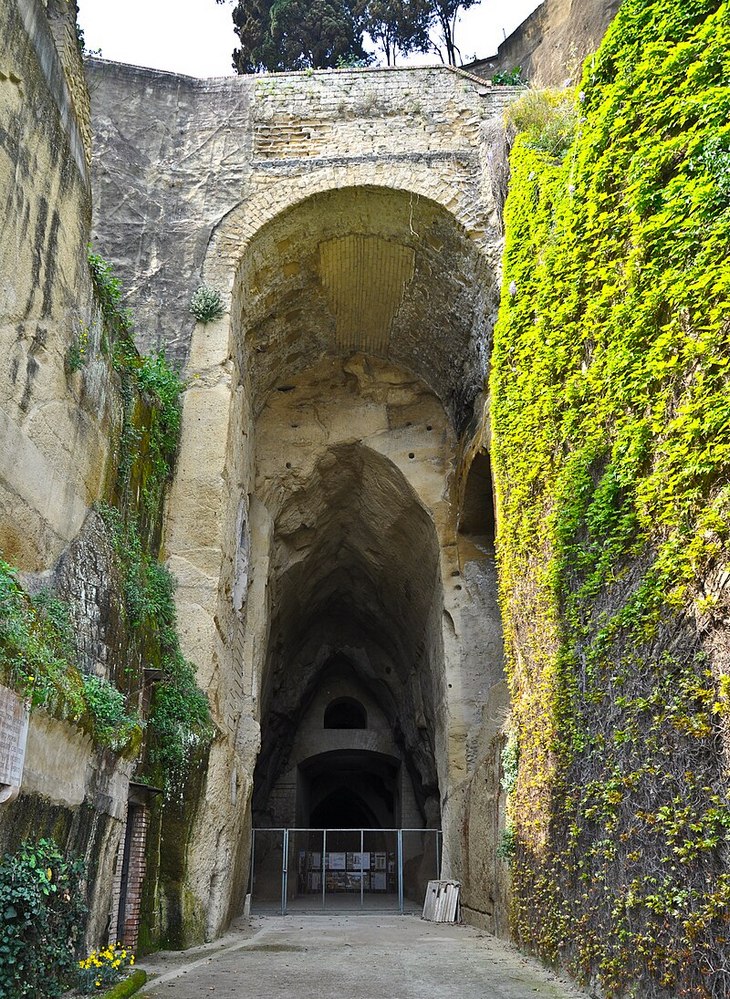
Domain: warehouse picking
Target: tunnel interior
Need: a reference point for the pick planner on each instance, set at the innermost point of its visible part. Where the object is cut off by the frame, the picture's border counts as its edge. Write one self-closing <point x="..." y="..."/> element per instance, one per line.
<point x="350" y="287"/>
<point x="356" y="592"/>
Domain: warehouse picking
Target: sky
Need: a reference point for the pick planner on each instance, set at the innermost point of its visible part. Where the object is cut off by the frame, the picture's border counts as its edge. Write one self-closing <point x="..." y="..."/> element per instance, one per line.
<point x="196" y="37"/>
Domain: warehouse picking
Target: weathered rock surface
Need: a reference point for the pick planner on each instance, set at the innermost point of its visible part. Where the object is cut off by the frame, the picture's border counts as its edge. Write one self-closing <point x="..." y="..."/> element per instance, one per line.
<point x="551" y="44"/>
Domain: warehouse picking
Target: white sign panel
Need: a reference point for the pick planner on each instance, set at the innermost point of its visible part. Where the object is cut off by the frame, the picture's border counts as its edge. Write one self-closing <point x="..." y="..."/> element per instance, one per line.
<point x="13" y="736"/>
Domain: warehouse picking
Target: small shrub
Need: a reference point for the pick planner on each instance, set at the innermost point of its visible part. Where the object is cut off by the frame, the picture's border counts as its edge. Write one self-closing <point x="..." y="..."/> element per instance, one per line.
<point x="510" y="764"/>
<point x="507" y="845"/>
<point x="107" y="286"/>
<point x="180" y="719"/>
<point x="42" y="915"/>
<point x="36" y="648"/>
<point x="78" y="352"/>
<point x="113" y="727"/>
<point x="513" y="78"/>
<point x="104" y="968"/>
<point x="206" y="304"/>
<point x="547" y="118"/>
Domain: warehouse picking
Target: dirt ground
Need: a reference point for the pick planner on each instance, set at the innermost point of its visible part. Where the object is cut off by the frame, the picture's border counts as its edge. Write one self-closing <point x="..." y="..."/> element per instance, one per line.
<point x="352" y="957"/>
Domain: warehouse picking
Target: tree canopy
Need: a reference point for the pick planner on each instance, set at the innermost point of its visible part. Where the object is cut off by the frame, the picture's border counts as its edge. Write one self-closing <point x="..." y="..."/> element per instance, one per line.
<point x="399" y="26"/>
<point x="296" y="34"/>
<point x="445" y="14"/>
<point x="278" y="35"/>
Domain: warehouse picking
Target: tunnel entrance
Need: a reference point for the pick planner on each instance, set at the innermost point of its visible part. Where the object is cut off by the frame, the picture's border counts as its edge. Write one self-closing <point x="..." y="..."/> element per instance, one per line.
<point x="360" y="361"/>
<point x="351" y="685"/>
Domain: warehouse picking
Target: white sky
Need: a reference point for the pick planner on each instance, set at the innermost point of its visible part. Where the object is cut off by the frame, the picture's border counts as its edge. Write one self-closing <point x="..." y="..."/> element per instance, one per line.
<point x="196" y="36"/>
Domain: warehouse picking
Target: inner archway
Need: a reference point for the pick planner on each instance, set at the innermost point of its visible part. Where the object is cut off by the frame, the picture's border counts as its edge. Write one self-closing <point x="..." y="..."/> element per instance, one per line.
<point x="350" y="789"/>
<point x="356" y="639"/>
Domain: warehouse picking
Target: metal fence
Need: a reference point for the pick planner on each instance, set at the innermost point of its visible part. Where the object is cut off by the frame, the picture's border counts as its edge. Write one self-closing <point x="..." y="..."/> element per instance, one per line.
<point x="315" y="870"/>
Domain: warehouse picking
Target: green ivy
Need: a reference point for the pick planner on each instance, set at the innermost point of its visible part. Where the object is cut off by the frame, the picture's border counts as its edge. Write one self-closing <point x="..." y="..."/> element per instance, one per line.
<point x="612" y="461"/>
<point x="113" y="726"/>
<point x="37" y="658"/>
<point x="179" y="720"/>
<point x="42" y="917"/>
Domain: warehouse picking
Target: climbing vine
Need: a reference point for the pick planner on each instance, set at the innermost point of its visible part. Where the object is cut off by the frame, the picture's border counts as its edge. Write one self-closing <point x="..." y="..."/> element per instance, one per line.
<point x="179" y="719"/>
<point x="611" y="420"/>
<point x="43" y="919"/>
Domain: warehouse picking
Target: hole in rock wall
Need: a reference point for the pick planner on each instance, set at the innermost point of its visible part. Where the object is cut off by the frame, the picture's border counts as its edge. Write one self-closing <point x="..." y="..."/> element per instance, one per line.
<point x="477" y="511"/>
<point x="345" y="712"/>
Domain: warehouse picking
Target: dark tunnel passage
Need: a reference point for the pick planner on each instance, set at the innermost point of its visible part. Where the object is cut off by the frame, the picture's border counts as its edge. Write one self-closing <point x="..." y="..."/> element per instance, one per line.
<point x="351" y="695"/>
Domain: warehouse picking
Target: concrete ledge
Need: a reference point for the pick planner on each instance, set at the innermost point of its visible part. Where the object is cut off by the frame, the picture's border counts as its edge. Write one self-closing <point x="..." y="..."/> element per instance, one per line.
<point x="128" y="987"/>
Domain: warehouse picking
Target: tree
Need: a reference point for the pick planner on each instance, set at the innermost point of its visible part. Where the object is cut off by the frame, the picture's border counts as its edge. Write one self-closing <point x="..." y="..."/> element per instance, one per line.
<point x="399" y="26"/>
<point x="445" y="16"/>
<point x="296" y="34"/>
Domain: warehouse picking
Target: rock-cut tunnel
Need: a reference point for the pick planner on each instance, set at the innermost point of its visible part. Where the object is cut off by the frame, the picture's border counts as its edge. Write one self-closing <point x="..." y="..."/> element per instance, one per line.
<point x="361" y="336"/>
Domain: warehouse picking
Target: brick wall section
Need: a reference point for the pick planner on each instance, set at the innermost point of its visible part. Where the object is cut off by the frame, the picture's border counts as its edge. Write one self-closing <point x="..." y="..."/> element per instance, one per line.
<point x="134" y="839"/>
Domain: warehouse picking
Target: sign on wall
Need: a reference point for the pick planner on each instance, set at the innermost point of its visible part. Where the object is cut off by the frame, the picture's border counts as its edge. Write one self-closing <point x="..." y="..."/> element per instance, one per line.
<point x="14" y="713"/>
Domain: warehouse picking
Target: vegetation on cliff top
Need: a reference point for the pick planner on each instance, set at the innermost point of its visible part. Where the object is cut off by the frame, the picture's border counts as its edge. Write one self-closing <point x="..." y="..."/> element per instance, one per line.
<point x="611" y="419"/>
<point x="279" y="35"/>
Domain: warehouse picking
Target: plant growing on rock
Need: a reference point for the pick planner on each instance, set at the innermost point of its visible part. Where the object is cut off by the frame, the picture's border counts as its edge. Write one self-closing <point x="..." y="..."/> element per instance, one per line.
<point x="610" y="415"/>
<point x="206" y="304"/>
<point x="104" y="968"/>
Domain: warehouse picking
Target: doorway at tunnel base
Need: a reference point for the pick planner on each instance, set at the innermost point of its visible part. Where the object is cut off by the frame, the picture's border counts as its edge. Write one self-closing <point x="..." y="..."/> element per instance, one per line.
<point x="354" y="870"/>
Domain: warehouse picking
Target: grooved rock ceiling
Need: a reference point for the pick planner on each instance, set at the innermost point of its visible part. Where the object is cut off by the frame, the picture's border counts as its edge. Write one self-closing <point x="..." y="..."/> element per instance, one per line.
<point x="372" y="270"/>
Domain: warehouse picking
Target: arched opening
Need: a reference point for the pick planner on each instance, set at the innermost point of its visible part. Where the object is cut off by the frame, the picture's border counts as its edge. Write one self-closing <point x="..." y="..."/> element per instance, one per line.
<point x="345" y="712"/>
<point x="476" y="519"/>
<point x="361" y="331"/>
<point x="366" y="269"/>
<point x="350" y="789"/>
<point x="355" y="639"/>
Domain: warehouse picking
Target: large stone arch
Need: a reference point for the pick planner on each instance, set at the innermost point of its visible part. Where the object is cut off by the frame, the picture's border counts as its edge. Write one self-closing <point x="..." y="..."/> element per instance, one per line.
<point x="409" y="390"/>
<point x="444" y="179"/>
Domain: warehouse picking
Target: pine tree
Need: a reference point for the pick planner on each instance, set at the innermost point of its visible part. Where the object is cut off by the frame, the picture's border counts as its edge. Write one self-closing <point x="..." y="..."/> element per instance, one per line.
<point x="279" y="35"/>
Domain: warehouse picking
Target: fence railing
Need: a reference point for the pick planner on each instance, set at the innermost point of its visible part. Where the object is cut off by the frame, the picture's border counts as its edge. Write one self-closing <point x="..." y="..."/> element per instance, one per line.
<point x="315" y="870"/>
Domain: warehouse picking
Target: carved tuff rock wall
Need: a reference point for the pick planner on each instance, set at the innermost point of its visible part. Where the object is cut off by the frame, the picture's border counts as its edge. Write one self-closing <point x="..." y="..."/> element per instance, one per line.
<point x="323" y="517"/>
<point x="57" y="428"/>
<point x="551" y="44"/>
<point x="55" y="434"/>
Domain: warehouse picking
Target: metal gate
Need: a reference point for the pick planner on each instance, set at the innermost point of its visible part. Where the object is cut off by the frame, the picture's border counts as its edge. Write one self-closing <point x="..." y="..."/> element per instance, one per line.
<point x="363" y="870"/>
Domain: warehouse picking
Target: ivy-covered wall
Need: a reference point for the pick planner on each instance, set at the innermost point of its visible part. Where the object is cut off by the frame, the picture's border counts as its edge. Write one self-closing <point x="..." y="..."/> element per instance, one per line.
<point x="611" y="417"/>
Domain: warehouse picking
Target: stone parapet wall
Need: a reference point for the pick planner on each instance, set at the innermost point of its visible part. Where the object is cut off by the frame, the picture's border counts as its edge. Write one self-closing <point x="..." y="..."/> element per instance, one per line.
<point x="181" y="161"/>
